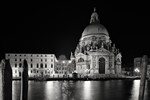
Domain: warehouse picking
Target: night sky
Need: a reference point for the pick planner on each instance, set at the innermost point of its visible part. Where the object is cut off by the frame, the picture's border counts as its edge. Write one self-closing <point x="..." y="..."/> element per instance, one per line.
<point x="55" y="28"/>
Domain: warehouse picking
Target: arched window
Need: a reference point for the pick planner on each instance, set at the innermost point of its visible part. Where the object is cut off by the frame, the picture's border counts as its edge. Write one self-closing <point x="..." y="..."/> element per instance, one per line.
<point x="102" y="66"/>
<point x="41" y="65"/>
<point x="80" y="60"/>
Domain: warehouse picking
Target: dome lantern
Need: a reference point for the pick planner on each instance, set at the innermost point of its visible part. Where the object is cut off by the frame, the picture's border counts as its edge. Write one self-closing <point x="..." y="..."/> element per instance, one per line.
<point x="95" y="28"/>
<point x="94" y="17"/>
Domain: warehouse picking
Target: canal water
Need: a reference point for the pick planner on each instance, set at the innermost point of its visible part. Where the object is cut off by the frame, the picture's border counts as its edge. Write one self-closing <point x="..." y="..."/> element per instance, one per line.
<point x="82" y="90"/>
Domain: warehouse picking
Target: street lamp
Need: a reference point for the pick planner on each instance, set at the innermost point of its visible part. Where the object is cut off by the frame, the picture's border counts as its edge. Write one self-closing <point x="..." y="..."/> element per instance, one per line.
<point x="136" y="71"/>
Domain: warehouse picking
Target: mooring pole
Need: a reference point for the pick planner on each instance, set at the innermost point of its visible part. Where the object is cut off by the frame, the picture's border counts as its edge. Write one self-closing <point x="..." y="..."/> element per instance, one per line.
<point x="143" y="77"/>
<point x="24" y="82"/>
<point x="5" y="80"/>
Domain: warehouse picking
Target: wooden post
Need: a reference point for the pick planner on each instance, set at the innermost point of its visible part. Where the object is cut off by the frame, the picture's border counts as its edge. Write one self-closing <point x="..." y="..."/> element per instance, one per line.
<point x="143" y="77"/>
<point x="24" y="82"/>
<point x="5" y="80"/>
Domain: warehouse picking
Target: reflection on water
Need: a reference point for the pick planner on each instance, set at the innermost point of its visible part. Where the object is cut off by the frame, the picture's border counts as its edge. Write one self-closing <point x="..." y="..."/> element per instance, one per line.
<point x="135" y="90"/>
<point x="87" y="90"/>
<point x="83" y="90"/>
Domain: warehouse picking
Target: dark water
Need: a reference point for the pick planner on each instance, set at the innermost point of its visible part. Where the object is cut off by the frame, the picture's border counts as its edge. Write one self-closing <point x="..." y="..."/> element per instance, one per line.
<point x="83" y="90"/>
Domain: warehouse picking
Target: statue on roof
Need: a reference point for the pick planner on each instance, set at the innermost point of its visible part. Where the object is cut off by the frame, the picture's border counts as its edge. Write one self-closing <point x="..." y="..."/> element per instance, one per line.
<point x="94" y="17"/>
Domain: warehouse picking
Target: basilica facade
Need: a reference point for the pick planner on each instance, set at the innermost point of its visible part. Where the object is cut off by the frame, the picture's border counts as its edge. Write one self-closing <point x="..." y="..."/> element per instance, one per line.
<point x="95" y="53"/>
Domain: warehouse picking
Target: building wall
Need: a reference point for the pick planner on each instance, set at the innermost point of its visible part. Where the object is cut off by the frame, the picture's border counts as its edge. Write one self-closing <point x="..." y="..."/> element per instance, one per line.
<point x="92" y="60"/>
<point x="64" y="67"/>
<point x="38" y="64"/>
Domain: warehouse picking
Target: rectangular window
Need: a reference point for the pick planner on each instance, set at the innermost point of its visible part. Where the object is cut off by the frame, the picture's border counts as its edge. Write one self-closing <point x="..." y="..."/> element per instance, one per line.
<point x="31" y="71"/>
<point x="45" y="60"/>
<point x="51" y="60"/>
<point x="15" y="59"/>
<point x="45" y="65"/>
<point x="51" y="65"/>
<point x="37" y="65"/>
<point x="41" y="59"/>
<point x="20" y="65"/>
<point x="31" y="65"/>
<point x="15" y="71"/>
<point x="15" y="65"/>
<point x="31" y="60"/>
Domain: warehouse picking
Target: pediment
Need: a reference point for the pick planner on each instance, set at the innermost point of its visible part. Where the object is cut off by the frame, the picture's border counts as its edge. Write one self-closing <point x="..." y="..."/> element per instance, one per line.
<point x="80" y="54"/>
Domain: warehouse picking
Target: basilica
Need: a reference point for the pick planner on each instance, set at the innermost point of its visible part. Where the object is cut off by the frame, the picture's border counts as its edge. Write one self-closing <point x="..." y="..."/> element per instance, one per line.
<point x="95" y="53"/>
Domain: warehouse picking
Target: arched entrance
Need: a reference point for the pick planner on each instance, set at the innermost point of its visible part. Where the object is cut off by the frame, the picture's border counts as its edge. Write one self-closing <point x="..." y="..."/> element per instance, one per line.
<point x="102" y="66"/>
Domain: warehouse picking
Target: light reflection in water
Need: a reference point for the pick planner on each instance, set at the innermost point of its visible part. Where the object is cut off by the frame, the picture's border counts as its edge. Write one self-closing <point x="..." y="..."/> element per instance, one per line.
<point x="135" y="90"/>
<point x="83" y="90"/>
<point x="87" y="90"/>
<point x="48" y="90"/>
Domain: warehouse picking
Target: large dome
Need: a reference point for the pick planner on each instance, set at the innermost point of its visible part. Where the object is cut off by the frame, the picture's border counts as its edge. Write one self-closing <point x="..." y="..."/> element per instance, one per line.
<point x="95" y="29"/>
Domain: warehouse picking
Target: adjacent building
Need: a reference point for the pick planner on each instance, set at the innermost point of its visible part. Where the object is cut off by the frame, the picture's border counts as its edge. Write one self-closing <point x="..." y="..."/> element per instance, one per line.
<point x="138" y="67"/>
<point x="64" y="66"/>
<point x="39" y="65"/>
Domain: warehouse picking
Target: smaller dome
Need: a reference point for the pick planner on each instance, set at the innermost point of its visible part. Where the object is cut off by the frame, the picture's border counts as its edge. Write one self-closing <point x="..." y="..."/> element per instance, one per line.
<point x="95" y="29"/>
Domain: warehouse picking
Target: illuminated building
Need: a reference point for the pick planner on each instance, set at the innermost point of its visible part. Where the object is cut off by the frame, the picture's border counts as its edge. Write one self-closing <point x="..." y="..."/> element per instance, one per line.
<point x="39" y="65"/>
<point x="95" y="54"/>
